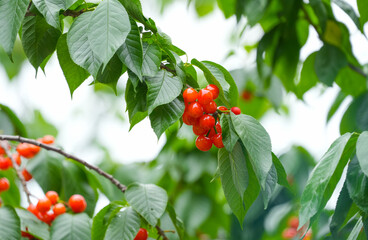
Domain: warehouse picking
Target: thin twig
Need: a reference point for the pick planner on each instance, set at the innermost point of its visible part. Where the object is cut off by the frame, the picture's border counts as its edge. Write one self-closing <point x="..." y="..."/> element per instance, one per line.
<point x="67" y="155"/>
<point x="4" y="145"/>
<point x="161" y="232"/>
<point x="163" y="66"/>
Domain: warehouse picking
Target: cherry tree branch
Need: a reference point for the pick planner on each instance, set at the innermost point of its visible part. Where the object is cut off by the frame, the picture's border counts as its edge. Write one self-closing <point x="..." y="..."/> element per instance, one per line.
<point x="4" y="145"/>
<point x="161" y="232"/>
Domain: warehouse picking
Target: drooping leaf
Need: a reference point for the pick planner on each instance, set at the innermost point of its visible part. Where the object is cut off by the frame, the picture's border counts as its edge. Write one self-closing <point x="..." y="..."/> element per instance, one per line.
<point x="10" y="223"/>
<point x="325" y="177"/>
<point x="31" y="224"/>
<point x="349" y="10"/>
<point x="355" y="119"/>
<point x="308" y="77"/>
<point x="343" y="206"/>
<point x="281" y="173"/>
<point x="270" y="186"/>
<point x="229" y="135"/>
<point x="19" y="128"/>
<point x="136" y="102"/>
<point x="163" y="88"/>
<point x="151" y="59"/>
<point x="257" y="142"/>
<point x="124" y="225"/>
<point x="148" y="200"/>
<point x="362" y="152"/>
<point x="166" y="115"/>
<point x="12" y="14"/>
<point x="108" y="28"/>
<point x="71" y="226"/>
<point x="110" y="73"/>
<point x="38" y="39"/>
<point x="335" y="105"/>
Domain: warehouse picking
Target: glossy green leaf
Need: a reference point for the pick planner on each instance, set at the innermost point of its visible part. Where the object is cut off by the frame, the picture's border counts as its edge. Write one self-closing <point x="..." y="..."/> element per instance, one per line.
<point x="362" y="152"/>
<point x="335" y="105"/>
<point x="325" y="176"/>
<point x="108" y="28"/>
<point x="163" y="88"/>
<point x="362" y="7"/>
<point x="134" y="8"/>
<point x="151" y="59"/>
<point x="270" y="186"/>
<point x="30" y="223"/>
<point x="12" y="14"/>
<point x="110" y="73"/>
<point x="71" y="226"/>
<point x="342" y="209"/>
<point x="191" y="74"/>
<point x="280" y="170"/>
<point x="355" y="119"/>
<point x="148" y="200"/>
<point x="356" y="230"/>
<point x="308" y="76"/>
<point x="10" y="224"/>
<point x="329" y="60"/>
<point x="38" y="39"/>
<point x="227" y="7"/>
<point x="80" y="47"/>
<point x="229" y="135"/>
<point x="166" y="115"/>
<point x="124" y="225"/>
<point x="257" y="142"/>
<point x="136" y="102"/>
<point x="74" y="74"/>
<point x="131" y="52"/>
<point x="349" y="10"/>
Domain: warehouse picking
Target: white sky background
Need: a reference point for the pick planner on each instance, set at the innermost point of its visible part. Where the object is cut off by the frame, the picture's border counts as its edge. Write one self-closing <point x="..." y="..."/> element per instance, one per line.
<point x="205" y="39"/>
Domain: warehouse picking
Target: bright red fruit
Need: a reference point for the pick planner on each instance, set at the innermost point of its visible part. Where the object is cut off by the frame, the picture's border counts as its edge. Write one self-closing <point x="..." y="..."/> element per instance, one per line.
<point x="190" y="95"/>
<point x="27" y="176"/>
<point x="32" y="208"/>
<point x="2" y="151"/>
<point x="77" y="203"/>
<point x="222" y="108"/>
<point x="205" y="96"/>
<point x="59" y="209"/>
<point x="27" y="150"/>
<point x="198" y="130"/>
<point x="52" y="196"/>
<point x="48" y="217"/>
<point x="4" y="184"/>
<point x="5" y="163"/>
<point x="43" y="205"/>
<point x="293" y="222"/>
<point x="213" y="132"/>
<point x="48" y="139"/>
<point x="203" y="143"/>
<point x="141" y="235"/>
<point x="289" y="233"/>
<point x="217" y="140"/>
<point x="188" y="120"/>
<point x="195" y="110"/>
<point x="207" y="122"/>
<point x="17" y="158"/>
<point x="211" y="107"/>
<point x="214" y="90"/>
<point x="236" y="110"/>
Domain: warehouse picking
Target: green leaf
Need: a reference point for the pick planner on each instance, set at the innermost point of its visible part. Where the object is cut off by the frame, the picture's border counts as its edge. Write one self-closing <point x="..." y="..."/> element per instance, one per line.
<point x="19" y="128"/>
<point x="281" y="173"/>
<point x="191" y="74"/>
<point x="355" y="119"/>
<point x="10" y="224"/>
<point x="325" y="176"/>
<point x="74" y="74"/>
<point x="80" y="47"/>
<point x="151" y="59"/>
<point x="308" y="76"/>
<point x="166" y="115"/>
<point x="357" y="184"/>
<point x="342" y="209"/>
<point x="362" y="8"/>
<point x="31" y="224"/>
<point x="12" y="195"/>
<point x="216" y="74"/>
<point x="12" y="14"/>
<point x="362" y="152"/>
<point x="254" y="10"/>
<point x="124" y="225"/>
<point x="204" y="7"/>
<point x="71" y="226"/>
<point x="271" y="181"/>
<point x="134" y="8"/>
<point x="227" y="7"/>
<point x="335" y="105"/>
<point x="50" y="9"/>
<point x="229" y="136"/>
<point x="163" y="88"/>
<point x="38" y="39"/>
<point x="329" y="60"/>
<point x="349" y="10"/>
<point x="131" y="52"/>
<point x="351" y="82"/>
<point x="356" y="230"/>
<point x="108" y="28"/>
<point x="257" y="142"/>
<point x="136" y="102"/>
<point x="111" y="73"/>
<point x="148" y="200"/>
<point x="177" y="222"/>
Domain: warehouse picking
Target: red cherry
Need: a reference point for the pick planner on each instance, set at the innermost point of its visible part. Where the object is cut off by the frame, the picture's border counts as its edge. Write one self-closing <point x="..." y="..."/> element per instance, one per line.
<point x="27" y="150"/>
<point x="236" y="110"/>
<point x="289" y="233"/>
<point x="26" y="235"/>
<point x="47" y="217"/>
<point x="5" y="163"/>
<point x="77" y="203"/>
<point x="27" y="176"/>
<point x="48" y="139"/>
<point x="214" y="90"/>
<point x="52" y="196"/>
<point x="188" y="120"/>
<point x="43" y="205"/>
<point x="141" y="235"/>
<point x="207" y="122"/>
<point x="222" y="108"/>
<point x="32" y="208"/>
<point x="293" y="222"/>
<point x="190" y="95"/>
<point x="211" y="107"/>
<point x="247" y="95"/>
<point x="17" y="158"/>
<point x="2" y="151"/>
<point x="203" y="143"/>
<point x="195" y="110"/>
<point x="4" y="184"/>
<point x="198" y="130"/>
<point x="59" y="209"/>
<point x="213" y="132"/>
<point x="205" y="96"/>
<point x="217" y="140"/>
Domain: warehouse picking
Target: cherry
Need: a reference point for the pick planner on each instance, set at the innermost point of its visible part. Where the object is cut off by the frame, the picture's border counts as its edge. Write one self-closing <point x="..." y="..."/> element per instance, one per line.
<point x="222" y="108"/>
<point x="198" y="130"/>
<point x="32" y="208"/>
<point x="27" y="150"/>
<point x="211" y="107"/>
<point x="4" y="184"/>
<point x="59" y="209"/>
<point x="213" y="132"/>
<point x="247" y="95"/>
<point x="141" y="235"/>
<point x="293" y="222"/>
<point x="77" y="203"/>
<point x="26" y="235"/>
<point x="207" y="122"/>
<point x="289" y="233"/>
<point x="205" y="96"/>
<point x="188" y="120"/>
<point x="195" y="110"/>
<point x="27" y="176"/>
<point x="190" y="95"/>
<point x="48" y="217"/>
<point x="52" y="196"/>
<point x="43" y="205"/>
<point x="34" y="149"/>
<point x="214" y="90"/>
<point x="203" y="143"/>
<point x="236" y="110"/>
<point x="48" y="139"/>
<point x="2" y="151"/>
<point x="217" y="140"/>
<point x="5" y="163"/>
<point x="17" y="158"/>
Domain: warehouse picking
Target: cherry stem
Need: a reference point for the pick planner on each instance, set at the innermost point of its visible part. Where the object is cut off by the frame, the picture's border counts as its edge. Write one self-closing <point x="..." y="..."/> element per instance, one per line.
<point x="161" y="232"/>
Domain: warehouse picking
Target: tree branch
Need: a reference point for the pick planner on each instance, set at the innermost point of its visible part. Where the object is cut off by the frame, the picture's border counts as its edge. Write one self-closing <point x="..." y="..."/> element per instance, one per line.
<point x="4" y="145"/>
<point x="161" y="232"/>
<point x="67" y="155"/>
<point x="163" y="66"/>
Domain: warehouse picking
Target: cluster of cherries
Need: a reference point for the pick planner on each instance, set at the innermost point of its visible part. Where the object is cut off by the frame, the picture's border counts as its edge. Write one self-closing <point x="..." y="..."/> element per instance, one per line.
<point x="201" y="112"/>
<point x="292" y="230"/>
